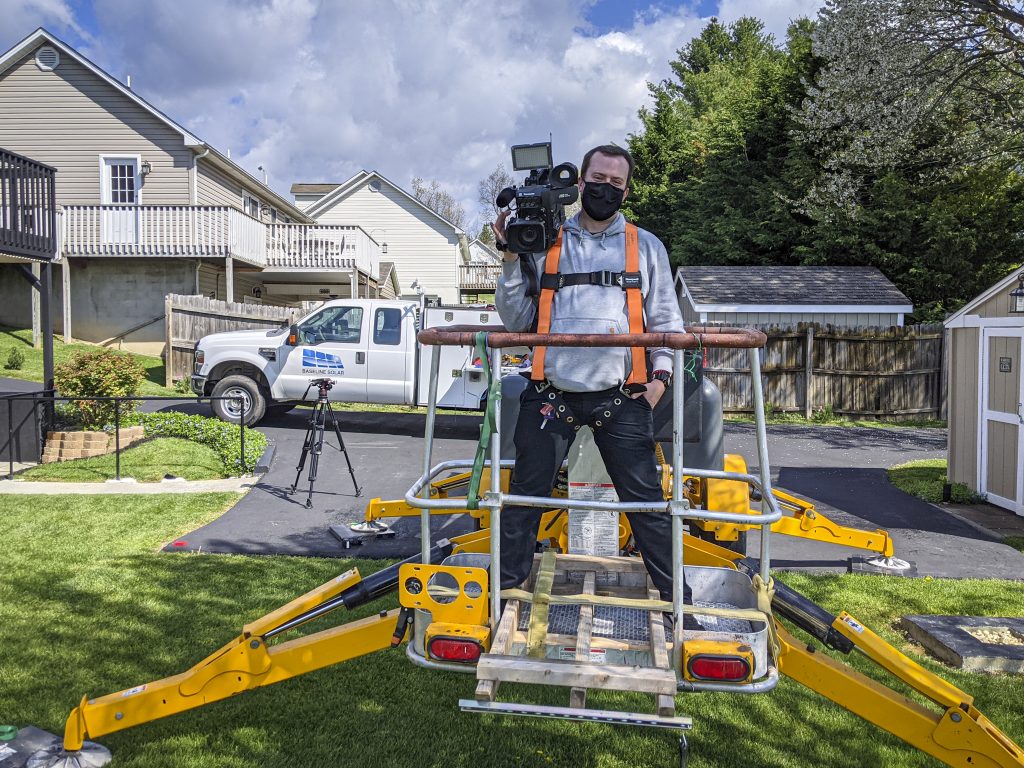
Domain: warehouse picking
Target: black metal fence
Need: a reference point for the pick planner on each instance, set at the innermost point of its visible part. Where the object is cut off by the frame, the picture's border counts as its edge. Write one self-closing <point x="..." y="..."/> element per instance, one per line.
<point x="28" y="207"/>
<point x="35" y="417"/>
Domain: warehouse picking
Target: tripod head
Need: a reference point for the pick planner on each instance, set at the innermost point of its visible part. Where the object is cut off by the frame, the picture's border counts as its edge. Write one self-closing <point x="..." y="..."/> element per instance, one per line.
<point x="323" y="387"/>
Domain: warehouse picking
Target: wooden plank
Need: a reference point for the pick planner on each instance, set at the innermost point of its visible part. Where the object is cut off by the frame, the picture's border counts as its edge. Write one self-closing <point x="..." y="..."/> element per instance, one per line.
<point x="809" y="371"/>
<point x="556" y="640"/>
<point x="486" y="690"/>
<point x="584" y="634"/>
<point x="666" y="703"/>
<point x="611" y="677"/>
<point x="168" y="336"/>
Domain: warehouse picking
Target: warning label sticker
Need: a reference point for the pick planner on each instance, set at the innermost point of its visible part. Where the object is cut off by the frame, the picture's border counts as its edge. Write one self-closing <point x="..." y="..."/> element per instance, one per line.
<point x="597" y="655"/>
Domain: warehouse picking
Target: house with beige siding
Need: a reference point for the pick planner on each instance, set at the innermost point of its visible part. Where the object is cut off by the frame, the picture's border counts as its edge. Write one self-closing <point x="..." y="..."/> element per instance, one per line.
<point x="425" y="247"/>
<point x="986" y="393"/>
<point x="773" y="296"/>
<point x="147" y="208"/>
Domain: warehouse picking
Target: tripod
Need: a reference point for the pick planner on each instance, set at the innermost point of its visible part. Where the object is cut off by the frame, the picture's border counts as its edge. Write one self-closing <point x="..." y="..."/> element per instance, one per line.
<point x="314" y="442"/>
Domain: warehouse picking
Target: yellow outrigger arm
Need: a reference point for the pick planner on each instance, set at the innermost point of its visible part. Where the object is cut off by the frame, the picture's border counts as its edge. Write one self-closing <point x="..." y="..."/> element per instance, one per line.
<point x="958" y="735"/>
<point x="245" y="663"/>
<point x="250" y="661"/>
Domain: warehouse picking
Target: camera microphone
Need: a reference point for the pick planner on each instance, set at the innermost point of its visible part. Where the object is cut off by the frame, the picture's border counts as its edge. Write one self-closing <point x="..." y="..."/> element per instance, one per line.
<point x="505" y="197"/>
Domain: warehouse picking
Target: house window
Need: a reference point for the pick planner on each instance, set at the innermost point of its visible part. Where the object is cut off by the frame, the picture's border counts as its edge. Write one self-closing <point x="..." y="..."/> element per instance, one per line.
<point x="252" y="206"/>
<point x="120" y="181"/>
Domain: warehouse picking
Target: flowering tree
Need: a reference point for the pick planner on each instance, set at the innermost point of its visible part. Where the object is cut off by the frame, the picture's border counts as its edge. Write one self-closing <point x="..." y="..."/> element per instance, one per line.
<point x="925" y="86"/>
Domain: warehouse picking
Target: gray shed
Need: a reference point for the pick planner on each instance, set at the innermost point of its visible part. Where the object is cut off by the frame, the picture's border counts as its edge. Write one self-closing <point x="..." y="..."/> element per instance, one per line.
<point x="986" y="395"/>
<point x="759" y="296"/>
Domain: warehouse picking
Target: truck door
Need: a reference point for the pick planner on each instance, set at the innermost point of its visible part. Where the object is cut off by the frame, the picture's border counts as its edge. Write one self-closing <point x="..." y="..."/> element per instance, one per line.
<point x="332" y="344"/>
<point x="391" y="354"/>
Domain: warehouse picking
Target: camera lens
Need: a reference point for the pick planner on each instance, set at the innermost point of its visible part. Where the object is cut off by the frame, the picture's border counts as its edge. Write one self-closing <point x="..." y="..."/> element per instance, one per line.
<point x="529" y="235"/>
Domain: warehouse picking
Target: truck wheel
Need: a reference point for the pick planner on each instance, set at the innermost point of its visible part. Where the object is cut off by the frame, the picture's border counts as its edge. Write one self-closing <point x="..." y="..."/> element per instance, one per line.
<point x="231" y="410"/>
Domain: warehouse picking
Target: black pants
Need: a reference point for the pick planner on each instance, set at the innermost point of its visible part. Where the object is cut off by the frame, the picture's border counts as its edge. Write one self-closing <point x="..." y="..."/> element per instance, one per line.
<point x="627" y="447"/>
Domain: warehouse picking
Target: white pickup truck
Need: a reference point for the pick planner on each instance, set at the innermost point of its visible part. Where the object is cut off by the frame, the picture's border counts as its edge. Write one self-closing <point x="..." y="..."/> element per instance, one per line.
<point x="367" y="347"/>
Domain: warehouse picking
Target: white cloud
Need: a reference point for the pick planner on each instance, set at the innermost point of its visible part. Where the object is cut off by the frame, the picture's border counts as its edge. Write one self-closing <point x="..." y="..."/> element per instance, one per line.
<point x="19" y="18"/>
<point x="315" y="91"/>
<point x="776" y="14"/>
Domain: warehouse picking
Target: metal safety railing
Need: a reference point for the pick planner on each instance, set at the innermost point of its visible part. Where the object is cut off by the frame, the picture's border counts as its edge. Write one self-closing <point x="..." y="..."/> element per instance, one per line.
<point x="46" y="399"/>
<point x="678" y="507"/>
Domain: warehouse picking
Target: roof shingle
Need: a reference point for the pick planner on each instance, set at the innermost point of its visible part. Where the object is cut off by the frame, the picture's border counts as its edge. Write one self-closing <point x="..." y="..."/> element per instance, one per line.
<point x="788" y="286"/>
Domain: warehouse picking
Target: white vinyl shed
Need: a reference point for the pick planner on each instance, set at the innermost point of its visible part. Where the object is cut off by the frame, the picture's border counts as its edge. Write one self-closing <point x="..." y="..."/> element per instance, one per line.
<point x="986" y="395"/>
<point x="765" y="296"/>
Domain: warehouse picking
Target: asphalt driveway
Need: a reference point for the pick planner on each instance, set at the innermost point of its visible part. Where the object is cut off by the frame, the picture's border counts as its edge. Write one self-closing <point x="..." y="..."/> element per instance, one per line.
<point x="840" y="469"/>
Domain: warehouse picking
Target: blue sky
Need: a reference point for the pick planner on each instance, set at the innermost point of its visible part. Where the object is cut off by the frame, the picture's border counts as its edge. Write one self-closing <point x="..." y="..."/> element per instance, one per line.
<point x="315" y="90"/>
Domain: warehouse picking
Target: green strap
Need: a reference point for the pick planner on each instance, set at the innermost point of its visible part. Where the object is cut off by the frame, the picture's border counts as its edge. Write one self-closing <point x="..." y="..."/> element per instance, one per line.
<point x="489" y="425"/>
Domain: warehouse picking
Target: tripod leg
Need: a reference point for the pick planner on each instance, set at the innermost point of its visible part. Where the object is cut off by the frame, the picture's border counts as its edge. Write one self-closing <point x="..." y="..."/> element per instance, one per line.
<point x="317" y="448"/>
<point x="344" y="450"/>
<point x="307" y="444"/>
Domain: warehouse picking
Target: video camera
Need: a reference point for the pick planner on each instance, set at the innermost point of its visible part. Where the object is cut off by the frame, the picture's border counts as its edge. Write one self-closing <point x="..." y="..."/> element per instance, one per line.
<point x="540" y="201"/>
<point x="323" y="386"/>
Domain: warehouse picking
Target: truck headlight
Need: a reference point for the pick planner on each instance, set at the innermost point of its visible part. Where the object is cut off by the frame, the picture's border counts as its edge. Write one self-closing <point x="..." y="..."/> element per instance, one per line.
<point x="200" y="359"/>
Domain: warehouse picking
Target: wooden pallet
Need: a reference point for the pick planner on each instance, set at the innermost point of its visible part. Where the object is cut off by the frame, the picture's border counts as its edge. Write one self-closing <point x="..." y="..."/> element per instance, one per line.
<point x="578" y="574"/>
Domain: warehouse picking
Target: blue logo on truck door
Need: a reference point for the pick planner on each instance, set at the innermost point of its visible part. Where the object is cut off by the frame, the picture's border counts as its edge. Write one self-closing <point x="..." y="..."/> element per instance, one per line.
<point x="321" y="362"/>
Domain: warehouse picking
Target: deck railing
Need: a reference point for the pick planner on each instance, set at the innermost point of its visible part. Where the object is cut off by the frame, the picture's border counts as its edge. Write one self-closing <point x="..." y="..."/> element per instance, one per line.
<point x="479" y="276"/>
<point x="304" y="246"/>
<point x="211" y="230"/>
<point x="27" y="207"/>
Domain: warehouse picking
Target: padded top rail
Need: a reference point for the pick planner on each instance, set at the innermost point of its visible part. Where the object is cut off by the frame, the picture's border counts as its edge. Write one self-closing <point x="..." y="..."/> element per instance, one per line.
<point x="695" y="337"/>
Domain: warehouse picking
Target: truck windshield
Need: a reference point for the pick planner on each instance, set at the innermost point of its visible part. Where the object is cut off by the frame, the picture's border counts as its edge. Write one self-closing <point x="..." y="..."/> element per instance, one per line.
<point x="333" y="324"/>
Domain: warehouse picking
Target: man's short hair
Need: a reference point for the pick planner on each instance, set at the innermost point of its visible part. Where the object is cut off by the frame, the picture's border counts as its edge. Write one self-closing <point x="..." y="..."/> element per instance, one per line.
<point x="612" y="151"/>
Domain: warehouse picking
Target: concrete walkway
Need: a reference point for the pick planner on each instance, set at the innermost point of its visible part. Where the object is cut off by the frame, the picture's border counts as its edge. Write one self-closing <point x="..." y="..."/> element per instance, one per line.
<point x="226" y="485"/>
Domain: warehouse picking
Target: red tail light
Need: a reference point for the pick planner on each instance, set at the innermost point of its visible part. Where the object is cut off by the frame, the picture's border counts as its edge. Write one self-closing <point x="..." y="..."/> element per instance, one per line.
<point x="450" y="649"/>
<point x="728" y="669"/>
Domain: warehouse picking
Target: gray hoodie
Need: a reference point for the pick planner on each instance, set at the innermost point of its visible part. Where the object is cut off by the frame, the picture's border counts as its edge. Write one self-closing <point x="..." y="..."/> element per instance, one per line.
<point x="594" y="308"/>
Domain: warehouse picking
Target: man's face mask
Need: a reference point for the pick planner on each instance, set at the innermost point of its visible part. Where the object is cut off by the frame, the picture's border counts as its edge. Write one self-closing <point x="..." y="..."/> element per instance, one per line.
<point x="601" y="200"/>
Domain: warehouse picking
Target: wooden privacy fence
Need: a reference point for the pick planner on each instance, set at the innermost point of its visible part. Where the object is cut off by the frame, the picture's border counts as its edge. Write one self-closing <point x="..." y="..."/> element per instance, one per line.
<point x="889" y="373"/>
<point x="188" y="318"/>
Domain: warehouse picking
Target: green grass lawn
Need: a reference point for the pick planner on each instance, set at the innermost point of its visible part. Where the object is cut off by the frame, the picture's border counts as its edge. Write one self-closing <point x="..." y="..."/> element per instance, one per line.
<point x="827" y="420"/>
<point x="1017" y="542"/>
<point x="89" y="606"/>
<point x="925" y="479"/>
<point x="32" y="369"/>
<point x="147" y="462"/>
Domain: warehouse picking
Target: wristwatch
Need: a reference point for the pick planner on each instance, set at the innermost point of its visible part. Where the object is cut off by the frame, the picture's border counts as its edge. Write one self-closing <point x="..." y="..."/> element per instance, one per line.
<point x="664" y="377"/>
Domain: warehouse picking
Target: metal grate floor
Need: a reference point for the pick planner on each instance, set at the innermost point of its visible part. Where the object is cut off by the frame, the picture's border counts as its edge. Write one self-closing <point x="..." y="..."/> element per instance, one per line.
<point x="616" y="623"/>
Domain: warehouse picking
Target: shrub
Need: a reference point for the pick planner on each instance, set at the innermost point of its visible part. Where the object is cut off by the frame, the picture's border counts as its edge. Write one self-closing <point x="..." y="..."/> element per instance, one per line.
<point x="15" y="359"/>
<point x="102" y="373"/>
<point x="184" y="387"/>
<point x="824" y="415"/>
<point x="221" y="437"/>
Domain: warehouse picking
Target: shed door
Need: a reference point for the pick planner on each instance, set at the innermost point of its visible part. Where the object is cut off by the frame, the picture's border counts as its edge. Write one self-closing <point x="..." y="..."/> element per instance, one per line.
<point x="1002" y="422"/>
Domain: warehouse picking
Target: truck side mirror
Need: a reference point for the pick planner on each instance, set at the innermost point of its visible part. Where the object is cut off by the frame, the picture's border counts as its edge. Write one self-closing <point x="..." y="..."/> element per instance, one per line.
<point x="293" y="336"/>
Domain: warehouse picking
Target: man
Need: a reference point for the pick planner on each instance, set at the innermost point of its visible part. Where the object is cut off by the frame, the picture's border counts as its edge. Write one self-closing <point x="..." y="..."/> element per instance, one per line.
<point x="604" y="387"/>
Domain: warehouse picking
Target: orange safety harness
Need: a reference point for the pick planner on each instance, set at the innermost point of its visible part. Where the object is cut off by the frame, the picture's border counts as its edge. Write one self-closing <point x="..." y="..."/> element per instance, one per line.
<point x="629" y="281"/>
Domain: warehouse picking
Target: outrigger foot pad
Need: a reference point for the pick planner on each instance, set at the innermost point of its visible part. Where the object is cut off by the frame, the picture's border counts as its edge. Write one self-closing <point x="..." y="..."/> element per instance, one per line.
<point x="370" y="526"/>
<point x="91" y="755"/>
<point x="889" y="563"/>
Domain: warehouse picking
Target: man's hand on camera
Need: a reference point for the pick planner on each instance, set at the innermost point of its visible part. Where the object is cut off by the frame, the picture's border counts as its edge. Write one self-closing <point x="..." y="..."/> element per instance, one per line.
<point x="498" y="227"/>
<point x="655" y="389"/>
